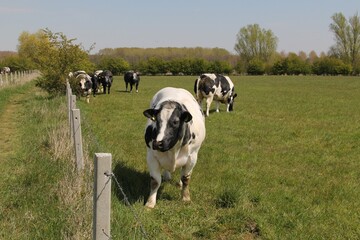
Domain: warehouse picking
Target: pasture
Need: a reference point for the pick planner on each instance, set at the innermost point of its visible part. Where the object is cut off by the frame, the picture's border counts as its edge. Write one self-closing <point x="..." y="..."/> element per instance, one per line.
<point x="283" y="165"/>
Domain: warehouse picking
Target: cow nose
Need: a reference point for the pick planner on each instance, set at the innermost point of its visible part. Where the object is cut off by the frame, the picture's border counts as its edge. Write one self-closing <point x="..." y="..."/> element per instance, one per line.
<point x="157" y="145"/>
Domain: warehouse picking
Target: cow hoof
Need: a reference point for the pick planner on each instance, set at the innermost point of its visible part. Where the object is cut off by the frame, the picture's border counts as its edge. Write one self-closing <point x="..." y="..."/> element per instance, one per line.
<point x="150" y="205"/>
<point x="186" y="199"/>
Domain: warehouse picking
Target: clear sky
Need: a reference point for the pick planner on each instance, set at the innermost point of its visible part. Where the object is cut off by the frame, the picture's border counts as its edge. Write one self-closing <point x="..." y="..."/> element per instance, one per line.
<point x="300" y="25"/>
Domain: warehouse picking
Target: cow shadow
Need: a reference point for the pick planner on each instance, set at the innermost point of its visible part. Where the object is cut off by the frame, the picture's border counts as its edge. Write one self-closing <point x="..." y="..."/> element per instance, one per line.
<point x="135" y="184"/>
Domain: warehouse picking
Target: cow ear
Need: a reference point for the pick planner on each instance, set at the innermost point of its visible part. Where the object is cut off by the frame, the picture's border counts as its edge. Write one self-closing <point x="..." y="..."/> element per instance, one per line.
<point x="235" y="95"/>
<point x="150" y="113"/>
<point x="186" y="116"/>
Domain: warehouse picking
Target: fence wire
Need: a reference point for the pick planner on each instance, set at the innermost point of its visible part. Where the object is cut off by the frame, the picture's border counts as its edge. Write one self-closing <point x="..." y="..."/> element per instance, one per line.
<point x="111" y="175"/>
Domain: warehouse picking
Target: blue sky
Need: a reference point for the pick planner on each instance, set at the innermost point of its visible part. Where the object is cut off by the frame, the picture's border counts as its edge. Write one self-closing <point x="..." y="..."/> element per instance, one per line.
<point x="300" y="25"/>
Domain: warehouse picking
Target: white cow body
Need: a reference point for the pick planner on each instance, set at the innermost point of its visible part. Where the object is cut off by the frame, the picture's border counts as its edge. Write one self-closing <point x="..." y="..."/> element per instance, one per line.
<point x="215" y="87"/>
<point x="174" y="133"/>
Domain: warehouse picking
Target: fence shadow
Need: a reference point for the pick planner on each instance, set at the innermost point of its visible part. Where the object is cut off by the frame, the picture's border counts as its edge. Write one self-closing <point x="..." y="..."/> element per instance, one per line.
<point x="135" y="184"/>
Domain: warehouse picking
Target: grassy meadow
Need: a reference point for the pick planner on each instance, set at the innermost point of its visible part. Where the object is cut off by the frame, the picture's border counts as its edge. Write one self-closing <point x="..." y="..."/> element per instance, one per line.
<point x="283" y="165"/>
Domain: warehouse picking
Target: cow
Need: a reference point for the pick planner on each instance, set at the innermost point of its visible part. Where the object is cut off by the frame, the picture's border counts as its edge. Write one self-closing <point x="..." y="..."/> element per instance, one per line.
<point x="5" y="70"/>
<point x="174" y="132"/>
<point x="106" y="78"/>
<point x="85" y="83"/>
<point x="131" y="77"/>
<point x="215" y="87"/>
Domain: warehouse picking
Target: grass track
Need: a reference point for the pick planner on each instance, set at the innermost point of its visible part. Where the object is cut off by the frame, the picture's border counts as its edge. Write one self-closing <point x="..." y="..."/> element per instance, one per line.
<point x="283" y="165"/>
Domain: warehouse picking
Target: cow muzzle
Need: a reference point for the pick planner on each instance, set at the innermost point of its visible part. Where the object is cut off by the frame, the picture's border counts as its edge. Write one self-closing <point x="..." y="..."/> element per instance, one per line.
<point x="160" y="146"/>
<point x="157" y="145"/>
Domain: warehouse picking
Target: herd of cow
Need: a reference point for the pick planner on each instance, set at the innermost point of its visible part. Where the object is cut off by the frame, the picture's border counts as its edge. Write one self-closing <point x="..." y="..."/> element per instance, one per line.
<point x="101" y="81"/>
<point x="175" y="128"/>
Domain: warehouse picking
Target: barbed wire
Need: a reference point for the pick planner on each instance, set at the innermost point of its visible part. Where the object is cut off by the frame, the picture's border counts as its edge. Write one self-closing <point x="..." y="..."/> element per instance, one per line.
<point x="111" y="175"/>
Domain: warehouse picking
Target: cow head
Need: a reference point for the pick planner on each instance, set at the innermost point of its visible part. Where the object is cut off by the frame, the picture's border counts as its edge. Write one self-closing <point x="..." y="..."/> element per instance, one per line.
<point x="231" y="100"/>
<point x="168" y="125"/>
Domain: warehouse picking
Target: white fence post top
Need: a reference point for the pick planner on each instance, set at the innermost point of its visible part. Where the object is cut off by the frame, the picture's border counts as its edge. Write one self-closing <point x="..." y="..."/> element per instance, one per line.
<point x="103" y="155"/>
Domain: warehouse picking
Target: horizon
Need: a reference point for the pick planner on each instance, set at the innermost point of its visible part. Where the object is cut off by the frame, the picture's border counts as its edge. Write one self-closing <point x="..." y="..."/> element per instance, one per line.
<point x="299" y="26"/>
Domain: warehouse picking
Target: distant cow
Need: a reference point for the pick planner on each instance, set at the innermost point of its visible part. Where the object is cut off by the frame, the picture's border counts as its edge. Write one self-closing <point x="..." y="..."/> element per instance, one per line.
<point x="174" y="133"/>
<point x="215" y="87"/>
<point x="106" y="78"/>
<point x="84" y="82"/>
<point x="5" y="70"/>
<point x="132" y="78"/>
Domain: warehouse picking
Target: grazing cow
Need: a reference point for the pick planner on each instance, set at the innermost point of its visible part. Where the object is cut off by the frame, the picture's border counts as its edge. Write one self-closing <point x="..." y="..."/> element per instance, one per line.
<point x="106" y="78"/>
<point x="5" y="70"/>
<point x="132" y="78"/>
<point x="174" y="133"/>
<point x="215" y="87"/>
<point x="85" y="83"/>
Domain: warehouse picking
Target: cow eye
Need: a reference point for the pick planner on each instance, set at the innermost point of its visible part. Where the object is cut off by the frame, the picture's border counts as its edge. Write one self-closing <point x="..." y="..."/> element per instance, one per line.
<point x="175" y="122"/>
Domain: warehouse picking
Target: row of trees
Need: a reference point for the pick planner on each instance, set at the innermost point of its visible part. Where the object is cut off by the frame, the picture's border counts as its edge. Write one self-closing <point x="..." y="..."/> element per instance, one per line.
<point x="55" y="56"/>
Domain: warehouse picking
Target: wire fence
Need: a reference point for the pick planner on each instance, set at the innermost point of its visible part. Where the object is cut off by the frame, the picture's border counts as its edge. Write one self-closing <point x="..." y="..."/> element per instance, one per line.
<point x="17" y="78"/>
<point x="99" y="148"/>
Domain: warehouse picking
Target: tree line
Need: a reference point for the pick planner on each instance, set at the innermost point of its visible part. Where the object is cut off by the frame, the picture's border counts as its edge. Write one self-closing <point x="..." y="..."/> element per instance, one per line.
<point x="55" y="56"/>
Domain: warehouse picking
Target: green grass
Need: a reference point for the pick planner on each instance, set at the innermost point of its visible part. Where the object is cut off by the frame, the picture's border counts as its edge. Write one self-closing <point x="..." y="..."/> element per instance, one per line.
<point x="42" y="197"/>
<point x="283" y="165"/>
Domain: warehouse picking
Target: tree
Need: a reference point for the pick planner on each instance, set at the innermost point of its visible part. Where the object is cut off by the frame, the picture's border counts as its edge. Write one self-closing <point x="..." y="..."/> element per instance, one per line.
<point x="255" y="43"/>
<point x="116" y="65"/>
<point x="347" y="38"/>
<point x="55" y="56"/>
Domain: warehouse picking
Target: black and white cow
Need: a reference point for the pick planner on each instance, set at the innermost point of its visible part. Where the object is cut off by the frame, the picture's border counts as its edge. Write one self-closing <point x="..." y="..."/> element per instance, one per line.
<point x="174" y="133"/>
<point x="84" y="82"/>
<point x="106" y="78"/>
<point x="5" y="70"/>
<point x="131" y="77"/>
<point x="215" y="87"/>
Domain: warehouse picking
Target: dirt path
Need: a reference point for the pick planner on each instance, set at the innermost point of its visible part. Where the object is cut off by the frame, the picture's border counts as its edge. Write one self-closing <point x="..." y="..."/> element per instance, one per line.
<point x="9" y="122"/>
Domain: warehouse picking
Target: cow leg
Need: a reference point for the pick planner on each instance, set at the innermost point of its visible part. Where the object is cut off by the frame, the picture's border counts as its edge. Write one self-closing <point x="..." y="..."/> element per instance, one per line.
<point x="137" y="86"/>
<point x="185" y="177"/>
<point x="154" y="187"/>
<point x="109" y="89"/>
<point x="155" y="174"/>
<point x="208" y="103"/>
<point x="104" y="89"/>
<point x="217" y="106"/>
<point x="131" y="86"/>
<point x="126" y="85"/>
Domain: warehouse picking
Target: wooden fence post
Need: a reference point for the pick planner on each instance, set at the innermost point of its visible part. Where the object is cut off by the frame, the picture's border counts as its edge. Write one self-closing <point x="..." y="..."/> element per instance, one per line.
<point x="77" y="139"/>
<point x="102" y="196"/>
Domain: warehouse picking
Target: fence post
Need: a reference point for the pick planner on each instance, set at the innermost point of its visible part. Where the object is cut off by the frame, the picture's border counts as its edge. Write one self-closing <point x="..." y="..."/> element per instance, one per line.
<point x="102" y="196"/>
<point x="68" y="97"/>
<point x="72" y="106"/>
<point x="77" y="139"/>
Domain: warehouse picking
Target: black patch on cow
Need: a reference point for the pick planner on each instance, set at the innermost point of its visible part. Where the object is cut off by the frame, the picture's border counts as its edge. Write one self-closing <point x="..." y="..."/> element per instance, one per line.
<point x="150" y="134"/>
<point x="187" y="135"/>
<point x="206" y="84"/>
<point x="224" y="83"/>
<point x="193" y="135"/>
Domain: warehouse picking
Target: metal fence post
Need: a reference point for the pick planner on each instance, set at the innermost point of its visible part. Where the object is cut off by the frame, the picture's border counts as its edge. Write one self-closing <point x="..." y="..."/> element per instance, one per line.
<point x="77" y="139"/>
<point x="102" y="196"/>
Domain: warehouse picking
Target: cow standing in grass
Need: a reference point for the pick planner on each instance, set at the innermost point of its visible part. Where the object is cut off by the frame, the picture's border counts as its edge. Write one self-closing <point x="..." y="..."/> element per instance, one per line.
<point x="215" y="87"/>
<point x="5" y="70"/>
<point x="174" y="133"/>
<point x="106" y="78"/>
<point x="83" y="80"/>
<point x="131" y="77"/>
